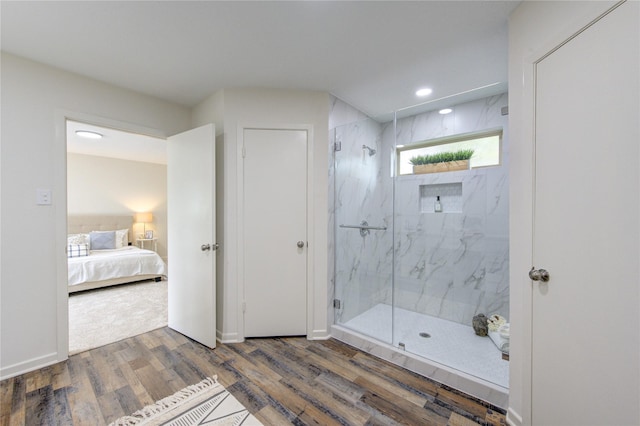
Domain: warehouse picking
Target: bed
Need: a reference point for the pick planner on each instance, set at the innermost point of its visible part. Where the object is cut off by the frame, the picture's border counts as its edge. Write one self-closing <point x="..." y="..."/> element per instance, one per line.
<point x="101" y="253"/>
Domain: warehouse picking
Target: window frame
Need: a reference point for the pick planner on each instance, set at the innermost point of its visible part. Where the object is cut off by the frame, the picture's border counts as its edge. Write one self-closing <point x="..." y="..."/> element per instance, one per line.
<point x="445" y="140"/>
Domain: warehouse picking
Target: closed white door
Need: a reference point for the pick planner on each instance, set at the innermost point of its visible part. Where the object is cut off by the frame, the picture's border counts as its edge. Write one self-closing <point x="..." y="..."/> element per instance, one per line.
<point x="191" y="234"/>
<point x="585" y="325"/>
<point x="275" y="232"/>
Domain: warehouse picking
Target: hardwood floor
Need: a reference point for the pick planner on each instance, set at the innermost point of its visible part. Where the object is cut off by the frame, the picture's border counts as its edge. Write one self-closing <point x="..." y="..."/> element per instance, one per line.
<point x="281" y="381"/>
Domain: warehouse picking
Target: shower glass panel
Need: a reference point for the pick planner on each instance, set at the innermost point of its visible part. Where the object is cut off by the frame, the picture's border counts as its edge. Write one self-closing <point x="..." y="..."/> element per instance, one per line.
<point x="363" y="230"/>
<point x="418" y="256"/>
<point x="451" y="249"/>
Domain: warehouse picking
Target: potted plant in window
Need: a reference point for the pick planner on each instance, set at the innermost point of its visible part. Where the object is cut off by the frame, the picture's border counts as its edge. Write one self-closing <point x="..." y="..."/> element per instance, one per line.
<point x="442" y="162"/>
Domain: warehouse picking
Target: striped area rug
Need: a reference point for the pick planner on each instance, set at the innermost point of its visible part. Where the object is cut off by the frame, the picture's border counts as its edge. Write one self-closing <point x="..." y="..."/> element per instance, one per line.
<point x="205" y="403"/>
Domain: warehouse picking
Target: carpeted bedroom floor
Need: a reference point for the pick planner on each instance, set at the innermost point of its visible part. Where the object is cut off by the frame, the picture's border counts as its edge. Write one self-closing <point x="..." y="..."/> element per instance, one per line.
<point x="107" y="315"/>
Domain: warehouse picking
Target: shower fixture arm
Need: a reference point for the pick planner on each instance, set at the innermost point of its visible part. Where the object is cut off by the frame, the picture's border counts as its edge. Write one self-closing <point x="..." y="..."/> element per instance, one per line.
<point x="372" y="151"/>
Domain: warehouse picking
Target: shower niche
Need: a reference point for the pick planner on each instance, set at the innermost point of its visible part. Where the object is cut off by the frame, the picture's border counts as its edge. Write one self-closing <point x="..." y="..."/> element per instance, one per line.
<point x="447" y="195"/>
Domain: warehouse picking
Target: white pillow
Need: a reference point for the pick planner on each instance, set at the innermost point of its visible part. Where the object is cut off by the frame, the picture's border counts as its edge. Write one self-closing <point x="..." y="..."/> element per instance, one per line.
<point x="78" y="239"/>
<point x="122" y="238"/>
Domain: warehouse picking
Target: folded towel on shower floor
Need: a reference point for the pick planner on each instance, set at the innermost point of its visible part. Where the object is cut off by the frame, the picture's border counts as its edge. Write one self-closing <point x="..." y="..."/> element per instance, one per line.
<point x="500" y="342"/>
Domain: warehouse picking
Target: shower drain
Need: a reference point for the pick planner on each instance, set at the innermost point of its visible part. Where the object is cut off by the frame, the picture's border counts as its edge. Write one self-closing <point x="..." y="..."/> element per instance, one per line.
<point x="425" y="335"/>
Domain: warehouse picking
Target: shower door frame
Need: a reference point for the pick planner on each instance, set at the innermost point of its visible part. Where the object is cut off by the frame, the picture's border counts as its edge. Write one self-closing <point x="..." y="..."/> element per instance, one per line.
<point x="366" y="231"/>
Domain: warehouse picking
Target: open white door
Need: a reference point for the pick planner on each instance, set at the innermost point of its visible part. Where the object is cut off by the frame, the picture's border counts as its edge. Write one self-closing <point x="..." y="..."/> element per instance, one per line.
<point x="191" y="234"/>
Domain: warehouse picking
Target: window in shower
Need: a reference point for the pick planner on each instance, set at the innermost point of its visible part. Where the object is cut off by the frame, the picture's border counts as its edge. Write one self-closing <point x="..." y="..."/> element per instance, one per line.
<point x="487" y="148"/>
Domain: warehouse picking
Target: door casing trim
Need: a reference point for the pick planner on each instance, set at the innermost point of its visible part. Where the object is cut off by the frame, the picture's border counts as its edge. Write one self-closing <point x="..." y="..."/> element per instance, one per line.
<point x="311" y="333"/>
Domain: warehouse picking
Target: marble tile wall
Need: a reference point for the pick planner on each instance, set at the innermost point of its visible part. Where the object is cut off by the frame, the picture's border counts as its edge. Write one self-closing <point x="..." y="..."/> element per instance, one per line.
<point x="453" y="265"/>
<point x="449" y="265"/>
<point x="341" y="114"/>
<point x="363" y="192"/>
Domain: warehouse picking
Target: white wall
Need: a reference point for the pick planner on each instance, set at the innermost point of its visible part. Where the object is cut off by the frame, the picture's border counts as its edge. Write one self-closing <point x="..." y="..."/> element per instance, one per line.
<point x="101" y="185"/>
<point x="534" y="28"/>
<point x="267" y="107"/>
<point x="35" y="99"/>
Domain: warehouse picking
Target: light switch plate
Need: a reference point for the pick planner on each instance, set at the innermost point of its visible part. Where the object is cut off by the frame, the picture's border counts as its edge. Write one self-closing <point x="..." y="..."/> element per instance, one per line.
<point x="43" y="197"/>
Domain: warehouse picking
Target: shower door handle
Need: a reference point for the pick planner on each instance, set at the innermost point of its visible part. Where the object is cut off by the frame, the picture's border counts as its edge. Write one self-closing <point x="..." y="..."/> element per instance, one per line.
<point x="539" y="274"/>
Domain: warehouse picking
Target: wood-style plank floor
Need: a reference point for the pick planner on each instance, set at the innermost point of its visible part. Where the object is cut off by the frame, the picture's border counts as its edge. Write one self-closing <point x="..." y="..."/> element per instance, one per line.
<point x="280" y="380"/>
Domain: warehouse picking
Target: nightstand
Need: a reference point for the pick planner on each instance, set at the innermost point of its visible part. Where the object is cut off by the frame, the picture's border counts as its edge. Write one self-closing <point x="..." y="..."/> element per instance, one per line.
<point x="141" y="243"/>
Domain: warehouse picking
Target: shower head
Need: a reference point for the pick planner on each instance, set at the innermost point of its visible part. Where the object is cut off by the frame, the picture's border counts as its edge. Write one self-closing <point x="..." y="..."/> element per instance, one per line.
<point x="371" y="150"/>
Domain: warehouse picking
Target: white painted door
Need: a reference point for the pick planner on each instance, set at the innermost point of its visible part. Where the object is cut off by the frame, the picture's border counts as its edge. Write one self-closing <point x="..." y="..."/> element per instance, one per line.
<point x="191" y="234"/>
<point x="275" y="232"/>
<point x="585" y="325"/>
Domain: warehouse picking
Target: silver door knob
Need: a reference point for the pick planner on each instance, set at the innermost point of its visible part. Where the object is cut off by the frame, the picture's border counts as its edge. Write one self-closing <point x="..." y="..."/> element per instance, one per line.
<point x="539" y="274"/>
<point x="300" y="244"/>
<point x="205" y="247"/>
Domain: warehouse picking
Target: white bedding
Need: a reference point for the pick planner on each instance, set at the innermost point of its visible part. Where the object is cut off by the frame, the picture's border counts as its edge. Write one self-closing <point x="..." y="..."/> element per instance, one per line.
<point x="103" y="265"/>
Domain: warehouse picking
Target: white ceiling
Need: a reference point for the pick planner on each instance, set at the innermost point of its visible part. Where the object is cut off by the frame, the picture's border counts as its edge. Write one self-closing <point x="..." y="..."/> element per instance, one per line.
<point x="374" y="55"/>
<point x="116" y="144"/>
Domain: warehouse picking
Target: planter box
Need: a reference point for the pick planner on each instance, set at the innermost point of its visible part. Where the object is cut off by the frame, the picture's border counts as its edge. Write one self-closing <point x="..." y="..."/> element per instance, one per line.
<point x="450" y="166"/>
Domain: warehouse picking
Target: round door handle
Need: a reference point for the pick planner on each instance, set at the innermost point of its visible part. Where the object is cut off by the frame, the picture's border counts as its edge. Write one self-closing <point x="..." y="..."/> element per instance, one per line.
<point x="300" y="244"/>
<point x="205" y="247"/>
<point x="539" y="274"/>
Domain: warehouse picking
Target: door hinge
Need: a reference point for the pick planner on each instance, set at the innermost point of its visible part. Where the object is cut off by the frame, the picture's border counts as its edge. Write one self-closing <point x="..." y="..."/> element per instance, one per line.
<point x="337" y="304"/>
<point x="244" y="152"/>
<point x="337" y="146"/>
<point x="504" y="110"/>
<point x="244" y="307"/>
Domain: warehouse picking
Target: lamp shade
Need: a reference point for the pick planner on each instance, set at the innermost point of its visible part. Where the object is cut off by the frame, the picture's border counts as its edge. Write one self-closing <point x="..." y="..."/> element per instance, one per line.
<point x="144" y="217"/>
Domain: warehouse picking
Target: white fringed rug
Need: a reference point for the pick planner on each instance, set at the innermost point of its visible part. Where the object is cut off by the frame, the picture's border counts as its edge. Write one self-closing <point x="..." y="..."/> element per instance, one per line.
<point x="205" y="403"/>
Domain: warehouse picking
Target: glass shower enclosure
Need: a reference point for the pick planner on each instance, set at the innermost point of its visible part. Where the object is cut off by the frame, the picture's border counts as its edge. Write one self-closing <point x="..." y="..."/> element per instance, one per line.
<point x="408" y="274"/>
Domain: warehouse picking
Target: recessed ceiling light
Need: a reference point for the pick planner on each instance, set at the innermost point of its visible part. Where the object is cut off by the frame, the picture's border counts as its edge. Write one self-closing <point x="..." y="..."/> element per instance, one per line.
<point x="424" y="92"/>
<point x="445" y="111"/>
<point x="88" y="134"/>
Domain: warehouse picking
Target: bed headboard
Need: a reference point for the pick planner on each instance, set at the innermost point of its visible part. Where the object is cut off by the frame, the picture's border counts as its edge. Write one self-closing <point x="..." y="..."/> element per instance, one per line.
<point x="83" y="224"/>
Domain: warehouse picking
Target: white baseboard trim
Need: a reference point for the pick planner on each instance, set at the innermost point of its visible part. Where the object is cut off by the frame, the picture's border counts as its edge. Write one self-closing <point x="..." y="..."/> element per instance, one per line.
<point x="228" y="337"/>
<point x="318" y="335"/>
<point x="513" y="418"/>
<point x="28" y="366"/>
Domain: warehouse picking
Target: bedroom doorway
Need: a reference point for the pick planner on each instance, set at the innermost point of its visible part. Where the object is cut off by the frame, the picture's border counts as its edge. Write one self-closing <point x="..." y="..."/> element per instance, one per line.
<point x="109" y="180"/>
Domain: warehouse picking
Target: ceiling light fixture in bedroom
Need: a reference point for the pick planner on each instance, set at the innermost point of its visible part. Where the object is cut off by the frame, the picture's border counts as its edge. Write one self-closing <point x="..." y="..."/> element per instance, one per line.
<point x="89" y="134"/>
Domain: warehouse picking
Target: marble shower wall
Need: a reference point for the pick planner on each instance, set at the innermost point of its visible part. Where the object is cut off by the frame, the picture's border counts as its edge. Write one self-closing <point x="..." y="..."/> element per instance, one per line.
<point x="453" y="265"/>
<point x="340" y="114"/>
<point x="363" y="192"/>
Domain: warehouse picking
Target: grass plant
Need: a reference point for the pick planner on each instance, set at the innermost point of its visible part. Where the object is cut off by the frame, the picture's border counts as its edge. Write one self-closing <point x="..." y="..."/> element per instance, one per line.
<point x="442" y="157"/>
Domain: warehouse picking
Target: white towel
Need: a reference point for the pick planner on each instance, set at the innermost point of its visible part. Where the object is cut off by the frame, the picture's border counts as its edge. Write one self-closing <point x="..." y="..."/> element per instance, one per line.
<point x="501" y="342"/>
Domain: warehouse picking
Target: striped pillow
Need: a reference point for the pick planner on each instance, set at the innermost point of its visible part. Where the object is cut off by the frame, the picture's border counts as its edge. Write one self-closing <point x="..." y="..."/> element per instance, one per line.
<point x="77" y="250"/>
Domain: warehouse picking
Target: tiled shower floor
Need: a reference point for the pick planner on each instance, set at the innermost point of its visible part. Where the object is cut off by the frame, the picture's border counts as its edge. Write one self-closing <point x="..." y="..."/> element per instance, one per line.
<point x="451" y="344"/>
